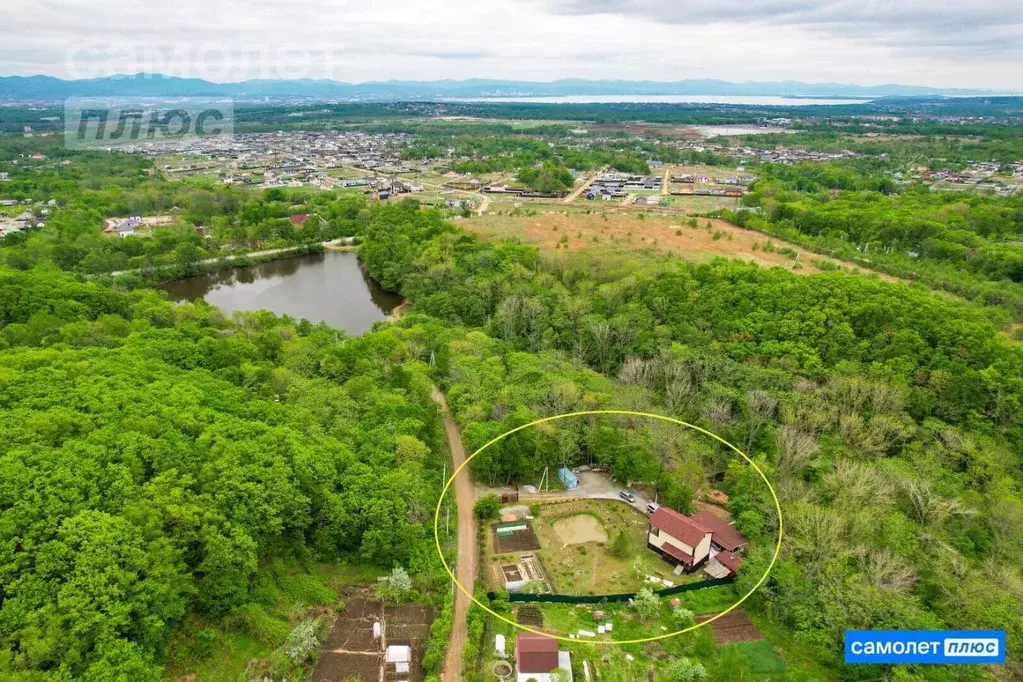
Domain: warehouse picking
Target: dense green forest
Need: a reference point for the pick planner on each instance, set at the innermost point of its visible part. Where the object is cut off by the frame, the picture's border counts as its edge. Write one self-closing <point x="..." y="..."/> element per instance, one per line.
<point x="172" y="476"/>
<point x="888" y="419"/>
<point x="963" y="243"/>
<point x="160" y="462"/>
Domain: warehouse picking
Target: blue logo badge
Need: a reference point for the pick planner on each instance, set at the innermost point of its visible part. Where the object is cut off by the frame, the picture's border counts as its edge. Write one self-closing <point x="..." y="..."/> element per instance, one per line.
<point x="925" y="646"/>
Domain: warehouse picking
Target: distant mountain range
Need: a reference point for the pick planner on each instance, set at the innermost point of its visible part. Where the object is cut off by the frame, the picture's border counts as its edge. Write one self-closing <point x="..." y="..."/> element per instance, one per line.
<point x="47" y="88"/>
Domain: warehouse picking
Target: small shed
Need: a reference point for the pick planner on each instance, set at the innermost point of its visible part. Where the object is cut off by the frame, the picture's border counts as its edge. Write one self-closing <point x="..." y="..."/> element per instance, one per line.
<point x="507" y="529"/>
<point x="567" y="478"/>
<point x="400" y="657"/>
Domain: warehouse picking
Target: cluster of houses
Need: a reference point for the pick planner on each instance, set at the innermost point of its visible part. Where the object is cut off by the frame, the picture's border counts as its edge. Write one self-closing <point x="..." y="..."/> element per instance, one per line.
<point x="523" y="192"/>
<point x="127" y="227"/>
<point x="703" y="540"/>
<point x="977" y="176"/>
<point x="974" y="173"/>
<point x="727" y="186"/>
<point x="283" y="158"/>
<point x="30" y="217"/>
<point x="777" y="154"/>
<point x="617" y="185"/>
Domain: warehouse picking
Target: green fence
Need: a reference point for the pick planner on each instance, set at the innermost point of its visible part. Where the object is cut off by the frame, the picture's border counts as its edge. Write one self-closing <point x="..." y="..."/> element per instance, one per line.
<point x="600" y="599"/>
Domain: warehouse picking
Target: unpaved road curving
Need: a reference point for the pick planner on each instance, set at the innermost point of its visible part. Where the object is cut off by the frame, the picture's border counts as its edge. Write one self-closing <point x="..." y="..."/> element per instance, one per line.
<point x="465" y="568"/>
<point x="574" y="194"/>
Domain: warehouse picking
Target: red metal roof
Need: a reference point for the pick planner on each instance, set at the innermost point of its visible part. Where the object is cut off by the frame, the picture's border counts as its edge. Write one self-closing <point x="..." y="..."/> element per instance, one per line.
<point x="729" y="560"/>
<point x="678" y="526"/>
<point x="536" y="653"/>
<point x="677" y="552"/>
<point x="725" y="535"/>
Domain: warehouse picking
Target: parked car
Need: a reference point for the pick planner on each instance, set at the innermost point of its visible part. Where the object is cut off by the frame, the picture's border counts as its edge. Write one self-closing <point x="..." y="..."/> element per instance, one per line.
<point x="652" y="507"/>
<point x="627" y="495"/>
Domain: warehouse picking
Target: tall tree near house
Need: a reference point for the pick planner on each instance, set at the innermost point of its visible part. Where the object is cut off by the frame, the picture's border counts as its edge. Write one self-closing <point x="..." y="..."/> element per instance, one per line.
<point x="759" y="408"/>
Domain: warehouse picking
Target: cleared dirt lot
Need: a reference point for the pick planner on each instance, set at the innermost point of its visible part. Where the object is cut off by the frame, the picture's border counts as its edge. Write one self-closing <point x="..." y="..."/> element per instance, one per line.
<point x="558" y="230"/>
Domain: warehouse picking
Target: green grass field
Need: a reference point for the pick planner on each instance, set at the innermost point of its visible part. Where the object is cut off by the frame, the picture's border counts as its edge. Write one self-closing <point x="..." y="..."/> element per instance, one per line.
<point x="589" y="568"/>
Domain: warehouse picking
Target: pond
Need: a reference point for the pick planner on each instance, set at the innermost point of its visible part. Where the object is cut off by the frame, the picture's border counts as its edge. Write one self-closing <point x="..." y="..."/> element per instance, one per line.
<point x="328" y="287"/>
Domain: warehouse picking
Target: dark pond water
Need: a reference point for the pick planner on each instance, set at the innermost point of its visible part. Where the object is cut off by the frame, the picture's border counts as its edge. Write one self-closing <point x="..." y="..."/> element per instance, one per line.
<point x="329" y="287"/>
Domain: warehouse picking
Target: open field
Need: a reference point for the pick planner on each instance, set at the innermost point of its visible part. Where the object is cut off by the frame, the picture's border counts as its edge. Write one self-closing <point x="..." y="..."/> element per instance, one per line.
<point x="572" y="230"/>
<point x="575" y="536"/>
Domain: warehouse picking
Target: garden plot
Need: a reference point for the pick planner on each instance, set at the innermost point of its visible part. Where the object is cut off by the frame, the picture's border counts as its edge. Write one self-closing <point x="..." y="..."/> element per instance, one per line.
<point x="577" y="539"/>
<point x="527" y="573"/>
<point x="734" y="626"/>
<point x="516" y="536"/>
<point x="351" y="652"/>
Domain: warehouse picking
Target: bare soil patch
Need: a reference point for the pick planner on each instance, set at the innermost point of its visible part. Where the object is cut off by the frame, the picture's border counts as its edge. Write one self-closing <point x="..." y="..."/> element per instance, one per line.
<point x="733" y="627"/>
<point x="408" y="622"/>
<point x="519" y="541"/>
<point x="350" y="652"/>
<point x="580" y="529"/>
<point x="353" y="630"/>
<point x="334" y="667"/>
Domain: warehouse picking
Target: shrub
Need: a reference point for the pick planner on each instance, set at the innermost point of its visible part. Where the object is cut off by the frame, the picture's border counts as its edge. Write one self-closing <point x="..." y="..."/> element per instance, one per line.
<point x="398" y="587"/>
<point x="620" y="545"/>
<point x="684" y="670"/>
<point x="205" y="643"/>
<point x="487" y="507"/>
<point x="646" y="603"/>
<point x="682" y="617"/>
<point x="302" y="641"/>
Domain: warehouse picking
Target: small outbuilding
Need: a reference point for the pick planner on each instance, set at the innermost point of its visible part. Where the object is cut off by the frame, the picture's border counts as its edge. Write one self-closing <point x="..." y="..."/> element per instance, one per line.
<point x="567" y="478"/>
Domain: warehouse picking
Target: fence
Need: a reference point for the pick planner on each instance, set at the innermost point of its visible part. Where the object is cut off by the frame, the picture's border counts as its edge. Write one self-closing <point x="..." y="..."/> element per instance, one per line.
<point x="607" y="598"/>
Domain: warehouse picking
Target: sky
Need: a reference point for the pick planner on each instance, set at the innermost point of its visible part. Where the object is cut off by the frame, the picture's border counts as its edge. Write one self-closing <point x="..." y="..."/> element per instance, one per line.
<point x="943" y="43"/>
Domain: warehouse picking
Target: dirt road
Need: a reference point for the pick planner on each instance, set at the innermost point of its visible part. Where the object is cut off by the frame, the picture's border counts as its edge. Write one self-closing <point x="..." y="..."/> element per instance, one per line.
<point x="574" y="194"/>
<point x="465" y="569"/>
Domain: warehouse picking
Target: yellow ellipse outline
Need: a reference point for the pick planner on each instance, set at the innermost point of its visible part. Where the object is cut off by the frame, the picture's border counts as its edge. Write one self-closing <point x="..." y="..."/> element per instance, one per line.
<point x="519" y="626"/>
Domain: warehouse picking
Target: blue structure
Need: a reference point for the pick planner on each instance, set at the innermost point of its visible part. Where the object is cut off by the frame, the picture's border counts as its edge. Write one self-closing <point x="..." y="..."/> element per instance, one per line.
<point x="567" y="478"/>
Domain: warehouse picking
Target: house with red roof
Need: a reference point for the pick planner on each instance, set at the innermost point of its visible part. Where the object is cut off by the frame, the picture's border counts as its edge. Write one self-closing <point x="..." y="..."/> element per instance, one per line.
<point x="725" y="536"/>
<point x="678" y="538"/>
<point x="536" y="657"/>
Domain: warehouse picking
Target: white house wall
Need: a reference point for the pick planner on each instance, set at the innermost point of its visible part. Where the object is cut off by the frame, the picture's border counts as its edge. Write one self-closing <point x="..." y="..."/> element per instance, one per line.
<point x="662" y="538"/>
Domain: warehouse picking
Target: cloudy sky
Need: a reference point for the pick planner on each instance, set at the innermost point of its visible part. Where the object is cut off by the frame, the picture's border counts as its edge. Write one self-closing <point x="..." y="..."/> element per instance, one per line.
<point x="942" y="43"/>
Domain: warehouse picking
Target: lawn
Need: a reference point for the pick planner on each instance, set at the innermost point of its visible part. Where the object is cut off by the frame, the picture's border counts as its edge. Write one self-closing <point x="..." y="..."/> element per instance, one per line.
<point x="612" y="661"/>
<point x="773" y="659"/>
<point x="575" y="538"/>
<point x="760" y="656"/>
<point x="283" y="592"/>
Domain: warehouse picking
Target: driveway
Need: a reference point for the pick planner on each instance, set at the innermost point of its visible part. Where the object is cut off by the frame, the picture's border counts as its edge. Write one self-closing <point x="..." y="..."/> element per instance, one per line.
<point x="593" y="485"/>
